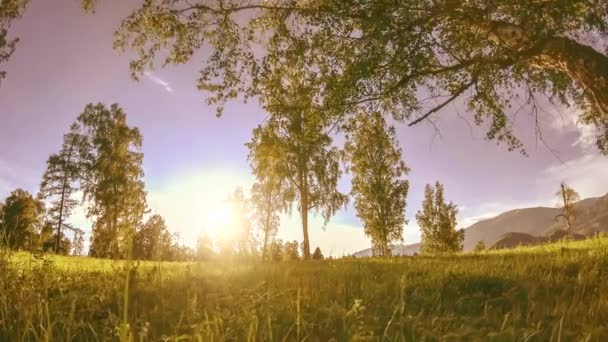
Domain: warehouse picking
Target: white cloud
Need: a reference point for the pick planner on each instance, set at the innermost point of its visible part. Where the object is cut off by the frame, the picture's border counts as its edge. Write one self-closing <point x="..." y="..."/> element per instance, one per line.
<point x="566" y="121"/>
<point x="152" y="77"/>
<point x="587" y="174"/>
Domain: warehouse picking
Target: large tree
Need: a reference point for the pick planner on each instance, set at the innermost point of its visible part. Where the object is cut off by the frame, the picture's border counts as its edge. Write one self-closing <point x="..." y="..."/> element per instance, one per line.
<point x="239" y="237"/>
<point x="409" y="58"/>
<point x="294" y="146"/>
<point x="20" y="220"/>
<point x="437" y="221"/>
<point x="380" y="192"/>
<point x="9" y="11"/>
<point x="111" y="177"/>
<point x="59" y="183"/>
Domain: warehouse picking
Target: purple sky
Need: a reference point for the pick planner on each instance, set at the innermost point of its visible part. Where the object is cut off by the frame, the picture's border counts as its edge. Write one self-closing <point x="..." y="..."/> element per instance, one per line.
<point x="65" y="60"/>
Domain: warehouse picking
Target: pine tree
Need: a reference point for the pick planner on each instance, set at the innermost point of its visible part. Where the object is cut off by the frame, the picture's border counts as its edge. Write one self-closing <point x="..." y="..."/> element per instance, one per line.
<point x="378" y="186"/>
<point x="437" y="222"/>
<point x="59" y="183"/>
<point x="317" y="255"/>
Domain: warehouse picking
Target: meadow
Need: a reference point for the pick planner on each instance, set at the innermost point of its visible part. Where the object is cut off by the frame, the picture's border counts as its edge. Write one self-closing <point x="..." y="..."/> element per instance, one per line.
<point x="557" y="292"/>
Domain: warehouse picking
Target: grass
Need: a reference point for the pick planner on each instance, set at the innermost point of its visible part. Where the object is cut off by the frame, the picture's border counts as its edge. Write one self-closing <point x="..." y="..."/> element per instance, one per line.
<point x="557" y="292"/>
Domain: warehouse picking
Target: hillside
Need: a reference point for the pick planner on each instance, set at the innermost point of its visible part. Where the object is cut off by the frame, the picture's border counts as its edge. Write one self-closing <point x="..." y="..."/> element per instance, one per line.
<point x="592" y="217"/>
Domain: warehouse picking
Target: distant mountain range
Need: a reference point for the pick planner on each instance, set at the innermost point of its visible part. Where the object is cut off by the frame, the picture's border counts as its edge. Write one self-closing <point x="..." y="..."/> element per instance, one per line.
<point x="526" y="226"/>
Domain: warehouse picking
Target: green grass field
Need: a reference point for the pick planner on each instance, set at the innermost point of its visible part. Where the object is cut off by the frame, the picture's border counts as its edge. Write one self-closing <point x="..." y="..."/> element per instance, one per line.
<point x="552" y="293"/>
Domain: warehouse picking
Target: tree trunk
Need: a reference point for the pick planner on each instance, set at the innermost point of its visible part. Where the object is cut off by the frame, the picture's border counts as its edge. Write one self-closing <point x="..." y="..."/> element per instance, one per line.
<point x="304" y="213"/>
<point x="582" y="64"/>
<point x="62" y="203"/>
<point x="267" y="227"/>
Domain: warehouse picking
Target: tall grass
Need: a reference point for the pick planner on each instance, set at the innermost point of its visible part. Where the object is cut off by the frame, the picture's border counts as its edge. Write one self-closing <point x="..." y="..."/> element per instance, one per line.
<point x="551" y="293"/>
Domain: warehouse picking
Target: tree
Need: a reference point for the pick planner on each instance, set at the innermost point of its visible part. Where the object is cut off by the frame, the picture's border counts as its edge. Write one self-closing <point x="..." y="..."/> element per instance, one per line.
<point x="409" y="58"/>
<point x="47" y="240"/>
<point x="267" y="203"/>
<point x="275" y="250"/>
<point x="567" y="197"/>
<point x="59" y="183"/>
<point x="480" y="246"/>
<point x="317" y="255"/>
<point x="78" y="244"/>
<point x="111" y="175"/>
<point x="153" y="241"/>
<point x="437" y="222"/>
<point x="10" y="10"/>
<point x="290" y="251"/>
<point x="294" y="147"/>
<point x="20" y="220"/>
<point x="378" y="186"/>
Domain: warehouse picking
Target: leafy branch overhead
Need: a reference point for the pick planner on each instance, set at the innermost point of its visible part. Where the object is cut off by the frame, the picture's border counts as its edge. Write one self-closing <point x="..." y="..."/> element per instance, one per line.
<point x="410" y="59"/>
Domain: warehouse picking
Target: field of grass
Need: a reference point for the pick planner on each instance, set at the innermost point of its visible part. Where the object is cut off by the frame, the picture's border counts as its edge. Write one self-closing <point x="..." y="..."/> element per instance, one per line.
<point x="552" y="293"/>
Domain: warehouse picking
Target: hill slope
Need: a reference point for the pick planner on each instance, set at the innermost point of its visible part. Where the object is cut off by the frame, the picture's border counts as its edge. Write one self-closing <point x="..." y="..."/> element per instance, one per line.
<point x="592" y="217"/>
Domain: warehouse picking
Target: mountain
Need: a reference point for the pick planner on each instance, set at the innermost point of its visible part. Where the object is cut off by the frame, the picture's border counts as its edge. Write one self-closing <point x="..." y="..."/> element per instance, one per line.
<point x="530" y="223"/>
<point x="526" y="226"/>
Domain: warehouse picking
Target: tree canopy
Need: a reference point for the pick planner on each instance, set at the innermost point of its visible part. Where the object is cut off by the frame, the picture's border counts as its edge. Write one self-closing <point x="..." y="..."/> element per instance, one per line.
<point x="406" y="58"/>
<point x="437" y="221"/>
<point x="20" y="220"/>
<point x="378" y="187"/>
<point x="111" y="164"/>
<point x="10" y="10"/>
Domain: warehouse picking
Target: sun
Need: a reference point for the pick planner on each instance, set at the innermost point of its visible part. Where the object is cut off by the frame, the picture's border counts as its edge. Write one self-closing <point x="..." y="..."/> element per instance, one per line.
<point x="218" y="219"/>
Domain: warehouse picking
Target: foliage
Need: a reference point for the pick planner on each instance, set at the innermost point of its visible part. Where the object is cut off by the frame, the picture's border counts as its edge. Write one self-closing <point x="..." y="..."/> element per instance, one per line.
<point x="294" y="147"/>
<point x="59" y="183"/>
<point x="78" y="243"/>
<point x="10" y="10"/>
<point x="378" y="186"/>
<point x="494" y="296"/>
<point x="437" y="221"/>
<point x="290" y="251"/>
<point x="567" y="197"/>
<point x="480" y="246"/>
<point x="112" y="177"/>
<point x="20" y="220"/>
<point x="153" y="241"/>
<point x="408" y="58"/>
<point x="267" y="204"/>
<point x="47" y="240"/>
<point x="317" y="255"/>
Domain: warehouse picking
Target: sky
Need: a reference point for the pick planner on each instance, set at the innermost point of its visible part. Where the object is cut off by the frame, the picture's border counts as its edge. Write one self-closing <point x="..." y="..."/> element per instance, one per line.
<point x="192" y="159"/>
